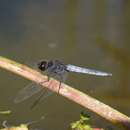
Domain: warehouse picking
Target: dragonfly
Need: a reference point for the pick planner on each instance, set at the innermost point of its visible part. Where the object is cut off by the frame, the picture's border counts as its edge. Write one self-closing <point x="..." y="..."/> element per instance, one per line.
<point x="54" y="68"/>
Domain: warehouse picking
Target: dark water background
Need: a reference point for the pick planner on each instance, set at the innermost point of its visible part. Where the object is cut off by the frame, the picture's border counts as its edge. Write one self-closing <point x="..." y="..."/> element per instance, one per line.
<point x="87" y="33"/>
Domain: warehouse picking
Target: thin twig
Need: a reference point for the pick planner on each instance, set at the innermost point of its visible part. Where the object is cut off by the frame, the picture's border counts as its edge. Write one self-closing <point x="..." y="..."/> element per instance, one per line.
<point x="84" y="100"/>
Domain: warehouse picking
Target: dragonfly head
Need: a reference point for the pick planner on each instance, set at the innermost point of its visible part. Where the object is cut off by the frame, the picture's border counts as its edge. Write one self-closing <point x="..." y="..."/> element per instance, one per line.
<point x="42" y="65"/>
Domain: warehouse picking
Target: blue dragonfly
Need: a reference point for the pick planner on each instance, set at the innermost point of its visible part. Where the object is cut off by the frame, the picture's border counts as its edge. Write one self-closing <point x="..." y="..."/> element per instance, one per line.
<point x="53" y="68"/>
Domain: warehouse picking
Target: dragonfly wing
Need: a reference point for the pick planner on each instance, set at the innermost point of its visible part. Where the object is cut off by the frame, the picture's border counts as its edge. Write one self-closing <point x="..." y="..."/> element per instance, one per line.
<point x="43" y="95"/>
<point x="27" y="92"/>
<point x="46" y="94"/>
<point x="77" y="69"/>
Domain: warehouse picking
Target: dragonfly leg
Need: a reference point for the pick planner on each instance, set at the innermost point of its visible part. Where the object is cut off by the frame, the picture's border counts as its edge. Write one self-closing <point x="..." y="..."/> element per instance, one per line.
<point x="59" y="86"/>
<point x="48" y="78"/>
<point x="61" y="79"/>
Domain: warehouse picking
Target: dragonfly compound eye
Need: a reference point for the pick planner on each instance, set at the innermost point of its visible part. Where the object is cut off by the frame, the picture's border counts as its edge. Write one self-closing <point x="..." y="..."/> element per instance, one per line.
<point x="42" y="65"/>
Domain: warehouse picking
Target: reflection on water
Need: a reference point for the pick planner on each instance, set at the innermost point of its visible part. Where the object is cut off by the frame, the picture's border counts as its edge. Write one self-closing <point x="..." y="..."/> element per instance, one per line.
<point x="84" y="32"/>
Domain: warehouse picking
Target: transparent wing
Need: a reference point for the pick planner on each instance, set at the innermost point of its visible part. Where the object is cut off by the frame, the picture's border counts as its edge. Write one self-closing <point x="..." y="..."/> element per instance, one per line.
<point x="46" y="94"/>
<point x="43" y="95"/>
<point x="27" y="92"/>
<point x="77" y="69"/>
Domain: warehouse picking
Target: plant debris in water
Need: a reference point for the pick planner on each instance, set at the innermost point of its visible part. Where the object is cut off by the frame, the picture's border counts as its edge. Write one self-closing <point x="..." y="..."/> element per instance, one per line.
<point x="20" y="127"/>
<point x="5" y="112"/>
<point x="82" y="123"/>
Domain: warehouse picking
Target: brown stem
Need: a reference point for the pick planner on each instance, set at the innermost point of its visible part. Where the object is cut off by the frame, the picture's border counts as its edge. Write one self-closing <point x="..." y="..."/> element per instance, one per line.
<point x="84" y="100"/>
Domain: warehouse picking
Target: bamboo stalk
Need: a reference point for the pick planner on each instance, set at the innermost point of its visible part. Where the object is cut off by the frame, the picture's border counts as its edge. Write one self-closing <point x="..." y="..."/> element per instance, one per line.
<point x="69" y="92"/>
